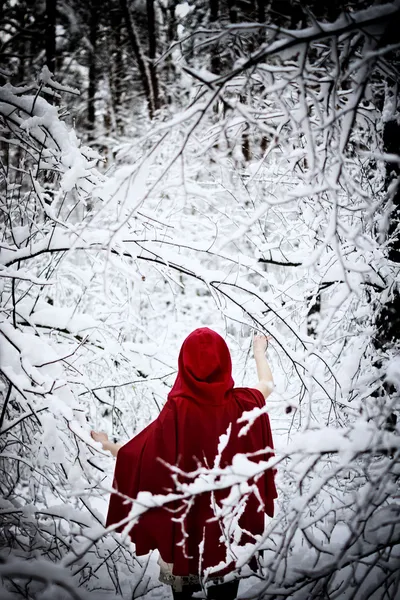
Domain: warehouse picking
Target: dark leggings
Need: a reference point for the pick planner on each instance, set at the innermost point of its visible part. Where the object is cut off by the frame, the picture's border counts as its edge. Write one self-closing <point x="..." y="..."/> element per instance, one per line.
<point x="224" y="591"/>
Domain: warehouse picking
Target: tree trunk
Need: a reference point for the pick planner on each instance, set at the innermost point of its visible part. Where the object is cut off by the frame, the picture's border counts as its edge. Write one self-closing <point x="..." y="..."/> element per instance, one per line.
<point x="233" y="11"/>
<point x="261" y="18"/>
<point x="215" y="60"/>
<point x="116" y="67"/>
<point x="151" y="30"/>
<point x="171" y="21"/>
<point x="391" y="145"/>
<point x="94" y="25"/>
<point x="50" y="36"/>
<point x="388" y="319"/>
<point x="171" y="37"/>
<point x="140" y="58"/>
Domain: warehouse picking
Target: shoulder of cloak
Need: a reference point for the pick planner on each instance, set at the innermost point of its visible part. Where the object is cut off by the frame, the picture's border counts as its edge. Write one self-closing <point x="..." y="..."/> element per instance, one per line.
<point x="259" y="434"/>
<point x="249" y="396"/>
<point x="138" y="466"/>
<point x="134" y="447"/>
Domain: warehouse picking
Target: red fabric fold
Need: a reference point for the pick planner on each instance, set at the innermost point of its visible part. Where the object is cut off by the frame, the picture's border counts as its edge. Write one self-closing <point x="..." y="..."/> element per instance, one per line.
<point x="200" y="407"/>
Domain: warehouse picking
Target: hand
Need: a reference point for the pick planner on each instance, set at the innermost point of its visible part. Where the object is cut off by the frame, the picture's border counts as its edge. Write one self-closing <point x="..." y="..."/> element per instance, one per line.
<point x="99" y="436"/>
<point x="260" y="343"/>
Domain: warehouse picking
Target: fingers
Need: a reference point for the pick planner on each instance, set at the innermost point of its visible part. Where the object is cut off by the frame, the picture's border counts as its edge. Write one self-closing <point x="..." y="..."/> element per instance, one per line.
<point x="261" y="342"/>
<point x="261" y="336"/>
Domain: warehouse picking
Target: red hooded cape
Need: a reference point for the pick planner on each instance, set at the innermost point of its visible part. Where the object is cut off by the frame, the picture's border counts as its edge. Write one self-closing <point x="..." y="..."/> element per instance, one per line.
<point x="200" y="407"/>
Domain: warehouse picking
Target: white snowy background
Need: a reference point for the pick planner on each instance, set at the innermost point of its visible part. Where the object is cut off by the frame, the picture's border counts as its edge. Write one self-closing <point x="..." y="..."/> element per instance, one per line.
<point x="105" y="269"/>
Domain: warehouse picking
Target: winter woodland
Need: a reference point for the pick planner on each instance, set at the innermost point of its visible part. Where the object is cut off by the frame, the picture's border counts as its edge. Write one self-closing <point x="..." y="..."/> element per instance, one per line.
<point x="168" y="165"/>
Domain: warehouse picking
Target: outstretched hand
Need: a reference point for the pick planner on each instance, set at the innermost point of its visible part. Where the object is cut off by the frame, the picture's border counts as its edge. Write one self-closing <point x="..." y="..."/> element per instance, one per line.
<point x="102" y="437"/>
<point x="99" y="436"/>
<point x="260" y="343"/>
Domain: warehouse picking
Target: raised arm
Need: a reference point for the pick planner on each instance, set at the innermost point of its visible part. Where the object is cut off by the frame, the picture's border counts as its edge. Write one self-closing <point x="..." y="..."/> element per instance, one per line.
<point x="100" y="436"/>
<point x="265" y="380"/>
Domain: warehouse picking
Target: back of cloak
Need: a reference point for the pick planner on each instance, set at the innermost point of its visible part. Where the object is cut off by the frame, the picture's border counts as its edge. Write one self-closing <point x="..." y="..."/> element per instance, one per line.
<point x="186" y="434"/>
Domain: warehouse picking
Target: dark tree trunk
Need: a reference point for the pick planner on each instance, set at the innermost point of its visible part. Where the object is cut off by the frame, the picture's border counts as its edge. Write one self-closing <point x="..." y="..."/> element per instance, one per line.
<point x="233" y="11"/>
<point x="261" y="18"/>
<point x="246" y="150"/>
<point x="94" y="26"/>
<point x="50" y="36"/>
<point x="314" y="311"/>
<point x="151" y="30"/>
<point x="171" y="37"/>
<point x="391" y="145"/>
<point x="171" y="21"/>
<point x="246" y="145"/>
<point x="139" y="56"/>
<point x="261" y="12"/>
<point x="388" y="319"/>
<point x="287" y="13"/>
<point x="116" y="67"/>
<point x="313" y="315"/>
<point x="214" y="10"/>
<point x="215" y="59"/>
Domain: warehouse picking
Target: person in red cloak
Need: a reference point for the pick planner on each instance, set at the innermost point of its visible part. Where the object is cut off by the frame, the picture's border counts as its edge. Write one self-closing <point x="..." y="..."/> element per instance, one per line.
<point x="201" y="405"/>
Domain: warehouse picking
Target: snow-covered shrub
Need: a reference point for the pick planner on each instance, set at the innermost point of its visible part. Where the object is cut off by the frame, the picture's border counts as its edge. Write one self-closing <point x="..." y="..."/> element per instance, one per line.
<point x="48" y="460"/>
<point x="270" y="195"/>
<point x="263" y="205"/>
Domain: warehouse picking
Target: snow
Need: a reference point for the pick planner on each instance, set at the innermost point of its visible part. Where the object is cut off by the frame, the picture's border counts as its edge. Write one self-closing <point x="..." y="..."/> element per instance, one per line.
<point x="393" y="371"/>
<point x="104" y="276"/>
<point x="40" y="119"/>
<point x="183" y="9"/>
<point x="47" y="78"/>
<point x="64" y="318"/>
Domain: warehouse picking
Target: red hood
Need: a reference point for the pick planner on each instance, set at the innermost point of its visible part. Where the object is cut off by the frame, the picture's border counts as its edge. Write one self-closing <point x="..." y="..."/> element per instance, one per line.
<point x="204" y="368"/>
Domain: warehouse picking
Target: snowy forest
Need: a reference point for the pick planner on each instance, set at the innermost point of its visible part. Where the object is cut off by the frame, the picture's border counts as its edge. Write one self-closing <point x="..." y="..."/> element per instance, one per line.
<point x="167" y="165"/>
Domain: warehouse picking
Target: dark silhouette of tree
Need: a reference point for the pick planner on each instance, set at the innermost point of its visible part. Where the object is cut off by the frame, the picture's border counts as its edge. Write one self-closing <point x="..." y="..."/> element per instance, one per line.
<point x="51" y="11"/>
<point x="140" y="57"/>
<point x="93" y="79"/>
<point x="152" y="37"/>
